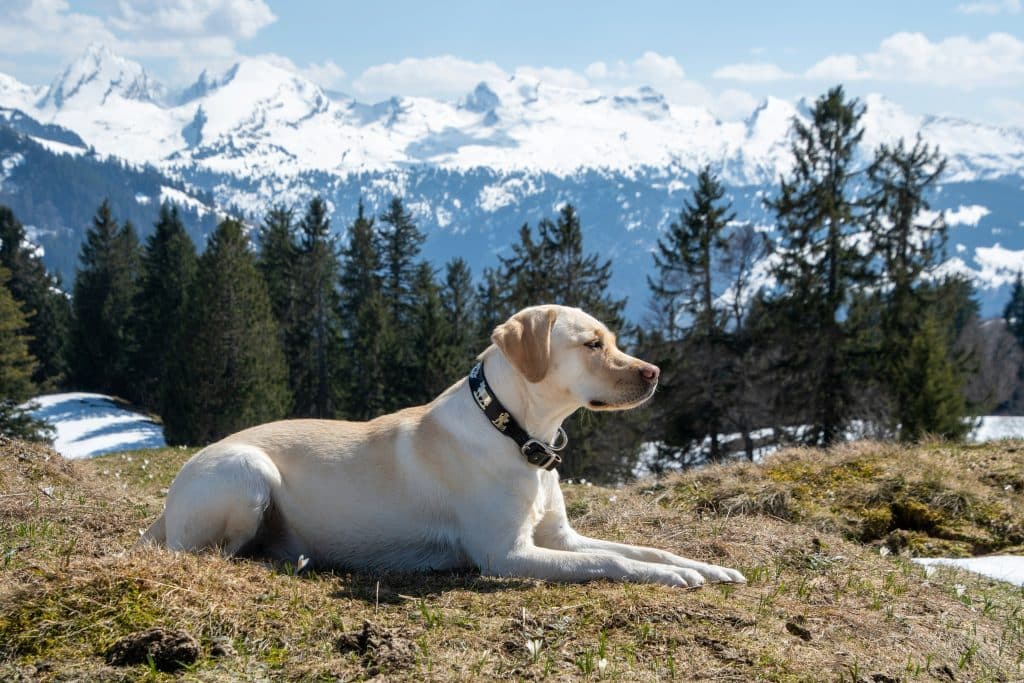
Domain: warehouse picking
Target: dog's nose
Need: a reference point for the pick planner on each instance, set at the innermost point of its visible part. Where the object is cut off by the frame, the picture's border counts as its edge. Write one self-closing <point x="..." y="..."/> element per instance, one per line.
<point x="650" y="372"/>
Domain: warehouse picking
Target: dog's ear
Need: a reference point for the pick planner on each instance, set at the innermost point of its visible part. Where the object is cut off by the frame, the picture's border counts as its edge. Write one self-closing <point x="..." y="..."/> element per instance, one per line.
<point x="525" y="339"/>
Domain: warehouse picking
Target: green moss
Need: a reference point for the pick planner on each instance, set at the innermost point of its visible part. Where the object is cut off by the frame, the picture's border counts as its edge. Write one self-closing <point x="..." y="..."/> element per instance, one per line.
<point x="875" y="522"/>
<point x="70" y="618"/>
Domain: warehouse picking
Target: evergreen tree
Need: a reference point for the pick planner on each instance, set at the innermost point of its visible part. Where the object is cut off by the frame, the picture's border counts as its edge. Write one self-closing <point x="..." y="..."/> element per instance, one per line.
<point x="462" y="313"/>
<point x="230" y="373"/>
<point x="401" y="241"/>
<point x="493" y="302"/>
<point x="1013" y="313"/>
<point x="105" y="287"/>
<point x="819" y="267"/>
<point x="690" y="261"/>
<point x="368" y="336"/>
<point x="429" y="376"/>
<point x="313" y="348"/>
<point x="908" y="250"/>
<point x="276" y="262"/>
<point x="934" y="400"/>
<point x="16" y="367"/>
<point x="161" y="305"/>
<point x="39" y="295"/>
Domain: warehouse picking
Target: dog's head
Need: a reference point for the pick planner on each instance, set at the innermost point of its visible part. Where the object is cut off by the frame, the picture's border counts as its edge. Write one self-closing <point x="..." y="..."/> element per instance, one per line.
<point x="572" y="353"/>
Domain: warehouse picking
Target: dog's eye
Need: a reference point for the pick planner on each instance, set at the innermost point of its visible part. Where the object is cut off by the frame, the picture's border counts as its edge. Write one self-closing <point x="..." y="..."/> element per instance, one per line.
<point x="596" y="344"/>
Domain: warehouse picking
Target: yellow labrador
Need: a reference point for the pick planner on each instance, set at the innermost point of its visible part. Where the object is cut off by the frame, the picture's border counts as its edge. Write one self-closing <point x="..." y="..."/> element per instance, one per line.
<point x="466" y="480"/>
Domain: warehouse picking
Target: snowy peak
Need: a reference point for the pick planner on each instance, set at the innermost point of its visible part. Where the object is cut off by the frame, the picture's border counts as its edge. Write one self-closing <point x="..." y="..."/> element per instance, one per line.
<point x="97" y="75"/>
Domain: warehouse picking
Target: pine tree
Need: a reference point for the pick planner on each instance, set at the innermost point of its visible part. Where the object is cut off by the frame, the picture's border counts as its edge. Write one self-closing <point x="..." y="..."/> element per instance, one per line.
<point x="818" y="267"/>
<point x="161" y="306"/>
<point x="428" y="376"/>
<point x="932" y="396"/>
<point x="16" y="367"/>
<point x="277" y="254"/>
<point x="41" y="300"/>
<point x="313" y="348"/>
<point x="493" y="303"/>
<point x="462" y="313"/>
<point x="401" y="241"/>
<point x="690" y="261"/>
<point x="230" y="373"/>
<point x="908" y="250"/>
<point x="1013" y="313"/>
<point x="105" y="287"/>
<point x="368" y="336"/>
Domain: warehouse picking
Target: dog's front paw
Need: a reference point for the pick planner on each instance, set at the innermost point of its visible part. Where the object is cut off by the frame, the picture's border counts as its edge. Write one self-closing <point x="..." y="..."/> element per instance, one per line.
<point x="716" y="574"/>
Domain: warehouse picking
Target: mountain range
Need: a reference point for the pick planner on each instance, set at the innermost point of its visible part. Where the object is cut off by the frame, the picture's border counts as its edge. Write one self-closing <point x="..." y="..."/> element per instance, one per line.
<point x="472" y="170"/>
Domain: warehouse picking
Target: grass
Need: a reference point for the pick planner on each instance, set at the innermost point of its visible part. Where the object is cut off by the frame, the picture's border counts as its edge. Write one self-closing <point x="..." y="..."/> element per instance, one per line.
<point x="823" y="602"/>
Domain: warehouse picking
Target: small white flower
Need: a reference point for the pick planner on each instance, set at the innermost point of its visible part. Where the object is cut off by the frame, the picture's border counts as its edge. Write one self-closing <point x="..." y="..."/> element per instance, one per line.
<point x="612" y="499"/>
<point x="1008" y="487"/>
<point x="128" y="458"/>
<point x="301" y="564"/>
<point x="602" y="664"/>
<point x="884" y="551"/>
<point x="589" y="484"/>
<point x="533" y="646"/>
<point x="582" y="480"/>
<point x="960" y="589"/>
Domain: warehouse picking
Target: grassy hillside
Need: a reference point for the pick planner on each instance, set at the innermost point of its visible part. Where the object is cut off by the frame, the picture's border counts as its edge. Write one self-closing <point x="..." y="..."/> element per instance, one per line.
<point x="824" y="601"/>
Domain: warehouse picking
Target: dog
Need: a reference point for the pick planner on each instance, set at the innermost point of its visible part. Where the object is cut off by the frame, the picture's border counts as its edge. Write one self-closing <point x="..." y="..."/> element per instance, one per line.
<point x="465" y="481"/>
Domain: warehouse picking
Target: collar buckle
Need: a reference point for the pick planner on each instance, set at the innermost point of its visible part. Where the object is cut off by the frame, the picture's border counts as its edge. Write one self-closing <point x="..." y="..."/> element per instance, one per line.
<point x="540" y="454"/>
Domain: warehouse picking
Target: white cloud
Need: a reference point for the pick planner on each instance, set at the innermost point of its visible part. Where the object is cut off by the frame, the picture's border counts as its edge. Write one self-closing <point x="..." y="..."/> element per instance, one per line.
<point x="189" y="34"/>
<point x="837" y="68"/>
<point x="752" y="72"/>
<point x="233" y="18"/>
<point x="959" y="61"/>
<point x="648" y="69"/>
<point x="445" y="76"/>
<point x="991" y="7"/>
<point x="48" y="27"/>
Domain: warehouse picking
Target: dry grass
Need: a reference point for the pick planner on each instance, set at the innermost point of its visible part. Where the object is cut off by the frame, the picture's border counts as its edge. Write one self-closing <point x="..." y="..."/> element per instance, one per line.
<point x="820" y="604"/>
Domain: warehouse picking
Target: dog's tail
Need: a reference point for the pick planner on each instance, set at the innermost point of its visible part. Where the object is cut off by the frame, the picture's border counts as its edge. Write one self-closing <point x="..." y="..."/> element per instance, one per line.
<point x="156" y="534"/>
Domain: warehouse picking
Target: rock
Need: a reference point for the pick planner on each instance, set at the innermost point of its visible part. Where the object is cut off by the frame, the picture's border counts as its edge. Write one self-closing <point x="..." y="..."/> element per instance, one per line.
<point x="169" y="650"/>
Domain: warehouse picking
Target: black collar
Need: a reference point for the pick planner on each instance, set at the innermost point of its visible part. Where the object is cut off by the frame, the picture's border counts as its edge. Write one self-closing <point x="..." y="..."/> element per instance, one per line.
<point x="537" y="453"/>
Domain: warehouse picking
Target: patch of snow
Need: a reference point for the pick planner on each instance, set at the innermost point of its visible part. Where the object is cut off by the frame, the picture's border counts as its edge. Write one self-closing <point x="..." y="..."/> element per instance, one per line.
<point x="142" y="199"/>
<point x="87" y="425"/>
<point x="59" y="147"/>
<point x="1009" y="568"/>
<point x="996" y="427"/>
<point x="8" y="164"/>
<point x="175" y="196"/>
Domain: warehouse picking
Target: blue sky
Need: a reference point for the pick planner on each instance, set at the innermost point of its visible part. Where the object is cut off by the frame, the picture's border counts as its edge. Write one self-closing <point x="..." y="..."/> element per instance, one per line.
<point x="960" y="57"/>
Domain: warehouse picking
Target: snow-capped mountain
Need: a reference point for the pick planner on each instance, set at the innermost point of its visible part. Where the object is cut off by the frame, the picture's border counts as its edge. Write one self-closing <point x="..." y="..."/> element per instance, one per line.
<point x="506" y="152"/>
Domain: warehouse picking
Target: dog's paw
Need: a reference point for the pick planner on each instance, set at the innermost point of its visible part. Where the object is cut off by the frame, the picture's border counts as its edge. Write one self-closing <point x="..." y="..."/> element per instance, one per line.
<point x="692" y="578"/>
<point x="716" y="574"/>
